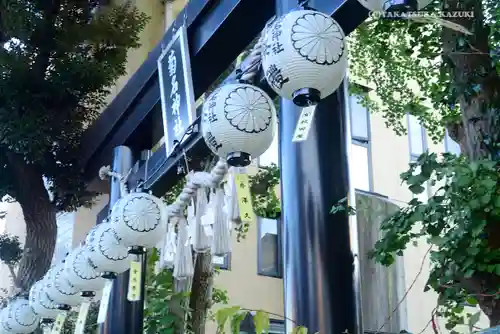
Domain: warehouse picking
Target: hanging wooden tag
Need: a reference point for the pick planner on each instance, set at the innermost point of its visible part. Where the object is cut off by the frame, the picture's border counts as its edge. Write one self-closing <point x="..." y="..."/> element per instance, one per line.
<point x="244" y="197"/>
<point x="134" y="282"/>
<point x="82" y="316"/>
<point x="103" y="307"/>
<point x="304" y="124"/>
<point x="59" y="323"/>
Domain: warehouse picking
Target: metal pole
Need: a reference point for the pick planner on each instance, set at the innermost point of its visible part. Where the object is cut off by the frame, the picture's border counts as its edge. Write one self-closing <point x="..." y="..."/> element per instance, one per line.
<point x="137" y="308"/>
<point x="319" y="280"/>
<point x="121" y="312"/>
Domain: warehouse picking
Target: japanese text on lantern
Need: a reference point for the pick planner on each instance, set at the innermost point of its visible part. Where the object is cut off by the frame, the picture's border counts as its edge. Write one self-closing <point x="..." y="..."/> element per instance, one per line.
<point x="275" y="77"/>
<point x="175" y="97"/>
<point x="274" y="44"/>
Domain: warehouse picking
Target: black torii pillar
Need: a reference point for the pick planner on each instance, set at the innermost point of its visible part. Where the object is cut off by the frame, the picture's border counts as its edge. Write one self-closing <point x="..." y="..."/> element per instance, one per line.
<point x="319" y="277"/>
<point x="123" y="316"/>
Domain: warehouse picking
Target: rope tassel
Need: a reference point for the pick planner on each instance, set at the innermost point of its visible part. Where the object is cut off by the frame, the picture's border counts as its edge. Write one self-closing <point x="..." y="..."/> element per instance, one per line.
<point x="222" y="226"/>
<point x="183" y="267"/>
<point x="202" y="236"/>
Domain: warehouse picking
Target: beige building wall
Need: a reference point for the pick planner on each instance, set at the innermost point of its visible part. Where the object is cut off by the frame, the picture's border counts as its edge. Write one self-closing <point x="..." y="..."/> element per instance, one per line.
<point x="86" y="218"/>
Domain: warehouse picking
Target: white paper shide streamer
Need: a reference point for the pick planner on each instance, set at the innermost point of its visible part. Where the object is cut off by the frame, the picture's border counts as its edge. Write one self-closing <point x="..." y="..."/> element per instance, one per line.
<point x="202" y="238"/>
<point x="231" y="206"/>
<point x="221" y="225"/>
<point x="183" y="266"/>
<point x="169" y="247"/>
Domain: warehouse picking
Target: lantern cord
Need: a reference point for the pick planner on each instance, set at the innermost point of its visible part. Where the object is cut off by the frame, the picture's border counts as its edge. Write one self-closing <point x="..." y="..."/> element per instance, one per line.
<point x="250" y="68"/>
<point x="106" y="172"/>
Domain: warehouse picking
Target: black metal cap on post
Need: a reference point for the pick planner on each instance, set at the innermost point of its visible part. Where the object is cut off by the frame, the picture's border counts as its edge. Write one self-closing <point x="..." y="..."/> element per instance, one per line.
<point x="239" y="159"/>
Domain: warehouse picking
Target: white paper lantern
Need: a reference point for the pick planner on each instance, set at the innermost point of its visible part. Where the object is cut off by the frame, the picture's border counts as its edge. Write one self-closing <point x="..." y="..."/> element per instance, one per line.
<point x="4" y="324"/>
<point x="305" y="56"/>
<point x="91" y="235"/>
<point x="106" y="252"/>
<point x="140" y="219"/>
<point x="81" y="273"/>
<point x="238" y="123"/>
<point x="20" y="317"/>
<point x="41" y="303"/>
<point x="61" y="291"/>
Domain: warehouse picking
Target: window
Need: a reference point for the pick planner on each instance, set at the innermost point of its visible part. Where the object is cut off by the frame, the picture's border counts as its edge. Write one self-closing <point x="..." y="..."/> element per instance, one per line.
<point x="360" y="145"/>
<point x="416" y="132"/>
<point x="269" y="247"/>
<point x="418" y="145"/>
<point x="221" y="262"/>
<point x="451" y="146"/>
<point x="277" y="327"/>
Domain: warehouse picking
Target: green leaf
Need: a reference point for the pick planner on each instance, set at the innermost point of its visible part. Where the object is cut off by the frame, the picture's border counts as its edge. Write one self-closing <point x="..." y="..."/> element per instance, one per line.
<point x="416" y="189"/>
<point x="471" y="300"/>
<point x="223" y="315"/>
<point x="261" y="322"/>
<point x="299" y="330"/>
<point x="436" y="240"/>
<point x="469" y="273"/>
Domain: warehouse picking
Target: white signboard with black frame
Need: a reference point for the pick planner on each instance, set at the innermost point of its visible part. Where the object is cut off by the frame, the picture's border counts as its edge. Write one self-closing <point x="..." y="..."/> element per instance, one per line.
<point x="176" y="89"/>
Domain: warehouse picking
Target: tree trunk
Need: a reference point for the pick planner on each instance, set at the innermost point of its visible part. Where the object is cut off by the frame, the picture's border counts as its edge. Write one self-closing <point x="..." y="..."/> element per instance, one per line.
<point x="201" y="291"/>
<point x="473" y="67"/>
<point x="40" y="217"/>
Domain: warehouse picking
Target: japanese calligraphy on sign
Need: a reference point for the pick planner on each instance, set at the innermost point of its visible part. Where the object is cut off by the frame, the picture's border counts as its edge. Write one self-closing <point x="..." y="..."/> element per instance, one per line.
<point x="176" y="89"/>
<point x="82" y="316"/>
<point x="244" y="197"/>
<point x="304" y="124"/>
<point x="103" y="306"/>
<point x="59" y="323"/>
<point x="134" y="283"/>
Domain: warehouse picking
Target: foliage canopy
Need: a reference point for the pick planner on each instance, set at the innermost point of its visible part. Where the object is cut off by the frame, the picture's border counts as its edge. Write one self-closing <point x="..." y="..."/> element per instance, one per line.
<point x="448" y="80"/>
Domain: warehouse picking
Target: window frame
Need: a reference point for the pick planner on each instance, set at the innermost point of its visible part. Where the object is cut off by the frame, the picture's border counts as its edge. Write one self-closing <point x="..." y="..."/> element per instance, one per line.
<point x="279" y="228"/>
<point x="365" y="142"/>
<point x="226" y="265"/>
